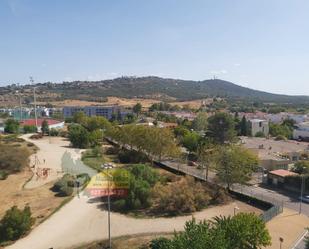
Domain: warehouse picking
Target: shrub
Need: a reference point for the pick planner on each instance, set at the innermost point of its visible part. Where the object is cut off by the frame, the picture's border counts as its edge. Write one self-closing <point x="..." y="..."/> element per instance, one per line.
<point x="184" y="196"/>
<point x="160" y="243"/>
<point x="280" y="137"/>
<point x="259" y="134"/>
<point x="29" y="129"/>
<point x="126" y="156"/>
<point x="15" y="223"/>
<point x="36" y="136"/>
<point x="12" y="158"/>
<point x="53" y="132"/>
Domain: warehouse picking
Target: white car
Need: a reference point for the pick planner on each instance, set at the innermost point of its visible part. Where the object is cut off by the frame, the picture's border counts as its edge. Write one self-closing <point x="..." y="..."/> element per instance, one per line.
<point x="304" y="198"/>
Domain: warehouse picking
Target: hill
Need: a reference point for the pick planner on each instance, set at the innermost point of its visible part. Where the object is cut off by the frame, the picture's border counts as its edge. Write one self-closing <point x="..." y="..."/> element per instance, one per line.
<point x="153" y="87"/>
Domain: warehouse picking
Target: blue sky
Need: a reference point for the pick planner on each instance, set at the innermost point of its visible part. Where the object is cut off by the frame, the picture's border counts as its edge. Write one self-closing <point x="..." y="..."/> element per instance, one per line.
<point x="262" y="44"/>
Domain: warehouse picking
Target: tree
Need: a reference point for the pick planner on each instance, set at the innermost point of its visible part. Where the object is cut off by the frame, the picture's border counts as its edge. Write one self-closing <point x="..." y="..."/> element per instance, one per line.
<point x="221" y="128"/>
<point x="234" y="164"/>
<point x="301" y="167"/>
<point x="78" y="136"/>
<point x="11" y="126"/>
<point x="205" y="157"/>
<point x="79" y="117"/>
<point x="29" y="128"/>
<point x="137" y="109"/>
<point x="45" y="127"/>
<point x="191" y="141"/>
<point x="15" y="223"/>
<point x="200" y="122"/>
<point x="244" y="128"/>
<point x="243" y="231"/>
<point x="95" y="123"/>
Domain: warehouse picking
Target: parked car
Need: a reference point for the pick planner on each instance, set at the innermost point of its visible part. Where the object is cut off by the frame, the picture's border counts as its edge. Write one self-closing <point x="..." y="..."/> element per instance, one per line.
<point x="304" y="198"/>
<point x="192" y="163"/>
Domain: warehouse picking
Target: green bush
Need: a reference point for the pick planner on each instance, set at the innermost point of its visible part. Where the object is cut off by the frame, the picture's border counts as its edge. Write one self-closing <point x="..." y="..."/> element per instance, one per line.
<point x="259" y="134"/>
<point x="29" y="129"/>
<point x="160" y="243"/>
<point x="53" y="132"/>
<point x="15" y="223"/>
<point x="126" y="156"/>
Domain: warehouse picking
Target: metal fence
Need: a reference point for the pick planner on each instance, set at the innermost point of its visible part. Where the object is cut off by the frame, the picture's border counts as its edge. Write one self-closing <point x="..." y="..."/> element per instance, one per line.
<point x="271" y="213"/>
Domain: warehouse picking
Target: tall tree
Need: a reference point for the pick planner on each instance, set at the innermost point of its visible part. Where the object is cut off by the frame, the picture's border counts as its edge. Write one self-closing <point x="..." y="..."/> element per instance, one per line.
<point x="45" y="127"/>
<point x="200" y="122"/>
<point x="234" y="164"/>
<point x="244" y="129"/>
<point x="221" y="128"/>
<point x="137" y="109"/>
<point x="244" y="231"/>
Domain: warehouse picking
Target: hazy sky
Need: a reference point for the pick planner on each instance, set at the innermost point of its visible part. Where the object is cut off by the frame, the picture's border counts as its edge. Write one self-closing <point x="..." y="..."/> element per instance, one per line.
<point x="262" y="44"/>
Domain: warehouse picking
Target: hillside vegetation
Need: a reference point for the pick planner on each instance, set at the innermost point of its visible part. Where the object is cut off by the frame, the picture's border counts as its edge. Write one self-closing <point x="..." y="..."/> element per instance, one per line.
<point x="152" y="87"/>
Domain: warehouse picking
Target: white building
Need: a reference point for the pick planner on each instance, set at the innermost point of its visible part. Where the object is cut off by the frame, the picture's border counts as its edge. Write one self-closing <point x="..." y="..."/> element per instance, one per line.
<point x="302" y="131"/>
<point x="259" y="125"/>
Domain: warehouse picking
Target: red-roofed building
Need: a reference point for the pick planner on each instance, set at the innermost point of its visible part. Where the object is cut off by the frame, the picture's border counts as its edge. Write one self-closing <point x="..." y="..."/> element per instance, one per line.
<point x="52" y="123"/>
<point x="277" y="177"/>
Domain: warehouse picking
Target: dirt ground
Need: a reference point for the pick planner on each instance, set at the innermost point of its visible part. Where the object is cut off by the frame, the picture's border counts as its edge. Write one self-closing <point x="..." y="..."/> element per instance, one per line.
<point x="125" y="102"/>
<point x="41" y="200"/>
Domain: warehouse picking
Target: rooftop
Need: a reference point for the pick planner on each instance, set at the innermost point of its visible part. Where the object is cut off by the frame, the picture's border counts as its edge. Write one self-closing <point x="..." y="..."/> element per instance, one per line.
<point x="272" y="149"/>
<point x="282" y="173"/>
<point x="40" y="121"/>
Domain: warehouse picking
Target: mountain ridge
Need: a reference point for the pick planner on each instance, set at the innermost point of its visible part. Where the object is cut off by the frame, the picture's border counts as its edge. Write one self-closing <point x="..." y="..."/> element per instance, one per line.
<point x="144" y="87"/>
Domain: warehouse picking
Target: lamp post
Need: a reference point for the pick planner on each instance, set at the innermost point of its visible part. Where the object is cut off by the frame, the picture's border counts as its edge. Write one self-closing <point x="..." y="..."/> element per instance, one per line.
<point x="302" y="190"/>
<point x="108" y="166"/>
<point x="235" y="208"/>
<point x="281" y="241"/>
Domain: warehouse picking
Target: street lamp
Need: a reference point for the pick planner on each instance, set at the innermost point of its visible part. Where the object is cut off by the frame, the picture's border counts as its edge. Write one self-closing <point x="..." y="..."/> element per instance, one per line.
<point x="301" y="191"/>
<point x="107" y="166"/>
<point x="281" y="241"/>
<point x="235" y="209"/>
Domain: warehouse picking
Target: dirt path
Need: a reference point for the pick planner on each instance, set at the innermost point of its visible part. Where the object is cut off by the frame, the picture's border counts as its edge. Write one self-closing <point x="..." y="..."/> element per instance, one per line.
<point x="83" y="221"/>
<point x="46" y="164"/>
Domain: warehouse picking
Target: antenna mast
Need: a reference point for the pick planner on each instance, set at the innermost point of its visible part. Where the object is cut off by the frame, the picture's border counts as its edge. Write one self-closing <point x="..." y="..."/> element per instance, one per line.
<point x="34" y="100"/>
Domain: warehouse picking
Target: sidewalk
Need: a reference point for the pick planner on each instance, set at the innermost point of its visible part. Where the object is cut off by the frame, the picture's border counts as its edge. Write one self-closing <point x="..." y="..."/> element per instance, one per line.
<point x="289" y="225"/>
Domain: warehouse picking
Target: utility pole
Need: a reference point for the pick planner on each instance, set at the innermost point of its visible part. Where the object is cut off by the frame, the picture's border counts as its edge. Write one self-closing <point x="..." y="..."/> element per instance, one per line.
<point x="301" y="192"/>
<point x="34" y="100"/>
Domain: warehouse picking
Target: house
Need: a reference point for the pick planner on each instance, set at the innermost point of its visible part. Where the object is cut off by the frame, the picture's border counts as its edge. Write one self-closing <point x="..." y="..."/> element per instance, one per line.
<point x="274" y="154"/>
<point x="259" y="126"/>
<point x="302" y="131"/>
<point x="277" y="177"/>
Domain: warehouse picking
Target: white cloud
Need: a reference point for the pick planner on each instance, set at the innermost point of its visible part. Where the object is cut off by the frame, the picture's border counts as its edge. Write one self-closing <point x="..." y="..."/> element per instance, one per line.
<point x="236" y="65"/>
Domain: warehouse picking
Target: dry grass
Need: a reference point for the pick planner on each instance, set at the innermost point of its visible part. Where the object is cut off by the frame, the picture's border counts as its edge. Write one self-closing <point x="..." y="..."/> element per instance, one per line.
<point x="127" y="242"/>
<point x="125" y="102"/>
<point x="41" y="200"/>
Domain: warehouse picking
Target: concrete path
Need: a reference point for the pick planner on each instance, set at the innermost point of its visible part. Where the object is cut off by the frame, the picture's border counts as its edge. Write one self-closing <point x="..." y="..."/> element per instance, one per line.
<point x="54" y="158"/>
<point x="82" y="221"/>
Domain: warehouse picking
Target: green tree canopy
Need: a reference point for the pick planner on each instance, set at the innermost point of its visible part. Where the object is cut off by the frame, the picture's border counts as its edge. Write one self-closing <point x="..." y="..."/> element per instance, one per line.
<point x="242" y="231"/>
<point x="301" y="167"/>
<point x="234" y="164"/>
<point x="221" y="128"/>
<point x="200" y="122"/>
<point x="78" y="136"/>
<point x="137" y="109"/>
<point x="15" y="223"/>
<point x="11" y="126"/>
